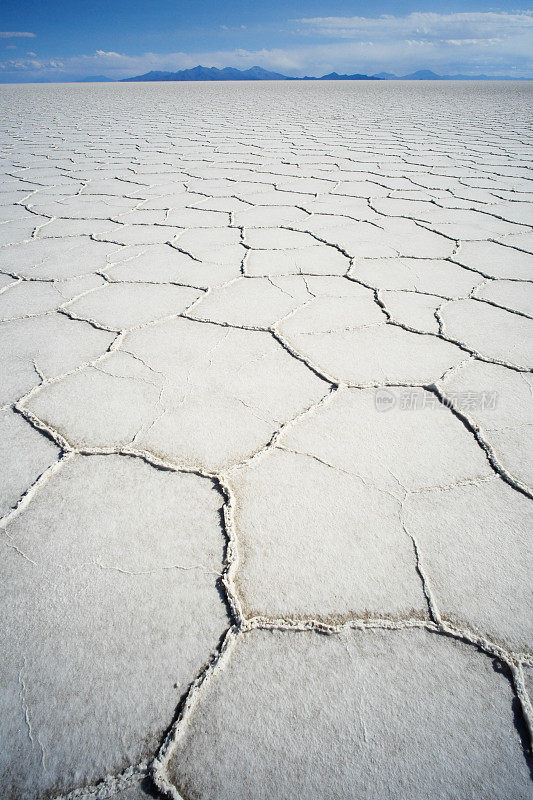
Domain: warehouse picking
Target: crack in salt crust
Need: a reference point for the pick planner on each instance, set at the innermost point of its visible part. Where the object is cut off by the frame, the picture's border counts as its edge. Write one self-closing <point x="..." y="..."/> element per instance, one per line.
<point x="247" y="274"/>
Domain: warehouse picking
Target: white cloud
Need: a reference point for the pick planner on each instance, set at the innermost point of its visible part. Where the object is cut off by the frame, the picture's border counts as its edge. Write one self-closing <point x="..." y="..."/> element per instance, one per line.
<point x="467" y="41"/>
<point x="16" y="34"/>
<point x="422" y="26"/>
<point x="107" y="54"/>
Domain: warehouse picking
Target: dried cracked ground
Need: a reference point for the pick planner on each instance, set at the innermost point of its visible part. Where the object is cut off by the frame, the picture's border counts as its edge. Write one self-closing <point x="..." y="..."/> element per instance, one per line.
<point x="267" y="432"/>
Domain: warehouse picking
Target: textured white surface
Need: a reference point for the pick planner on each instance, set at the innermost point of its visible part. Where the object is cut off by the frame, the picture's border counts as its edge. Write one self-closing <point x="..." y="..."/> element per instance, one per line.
<point x="106" y="620"/>
<point x="295" y="712"/>
<point x="266" y="438"/>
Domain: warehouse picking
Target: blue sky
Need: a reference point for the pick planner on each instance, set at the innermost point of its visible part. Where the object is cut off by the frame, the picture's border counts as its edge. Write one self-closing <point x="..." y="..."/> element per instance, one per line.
<point x="62" y="39"/>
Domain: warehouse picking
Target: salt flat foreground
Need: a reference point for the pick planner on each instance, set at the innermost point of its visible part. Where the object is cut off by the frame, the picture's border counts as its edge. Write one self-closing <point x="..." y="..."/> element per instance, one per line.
<point x="267" y="433"/>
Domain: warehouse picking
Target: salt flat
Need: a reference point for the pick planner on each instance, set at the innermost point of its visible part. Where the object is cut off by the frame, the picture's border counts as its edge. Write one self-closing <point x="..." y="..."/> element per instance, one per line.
<point x="266" y="431"/>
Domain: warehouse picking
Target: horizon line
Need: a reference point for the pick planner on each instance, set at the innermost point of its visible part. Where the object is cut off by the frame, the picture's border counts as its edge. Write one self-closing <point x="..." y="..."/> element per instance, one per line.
<point x="383" y="75"/>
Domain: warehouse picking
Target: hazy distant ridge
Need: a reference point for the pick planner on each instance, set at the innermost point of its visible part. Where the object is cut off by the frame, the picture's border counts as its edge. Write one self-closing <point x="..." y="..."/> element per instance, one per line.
<point x="428" y="75"/>
<point x="200" y="73"/>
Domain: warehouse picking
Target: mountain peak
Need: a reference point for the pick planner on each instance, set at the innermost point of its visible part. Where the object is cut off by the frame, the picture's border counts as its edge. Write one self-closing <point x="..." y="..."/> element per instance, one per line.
<point x="423" y="75"/>
<point x="200" y="73"/>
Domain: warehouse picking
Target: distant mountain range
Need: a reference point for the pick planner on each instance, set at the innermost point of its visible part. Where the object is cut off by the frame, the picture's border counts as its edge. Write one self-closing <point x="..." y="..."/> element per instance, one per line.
<point x="334" y="76"/>
<point x="428" y="75"/>
<point x="200" y="73"/>
<point x="211" y="74"/>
